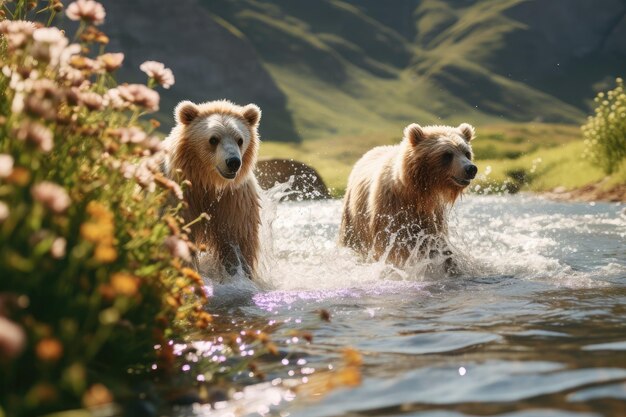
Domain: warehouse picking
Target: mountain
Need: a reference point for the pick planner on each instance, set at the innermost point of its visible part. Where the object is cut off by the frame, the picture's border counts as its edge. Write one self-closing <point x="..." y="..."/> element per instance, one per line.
<point x="337" y="67"/>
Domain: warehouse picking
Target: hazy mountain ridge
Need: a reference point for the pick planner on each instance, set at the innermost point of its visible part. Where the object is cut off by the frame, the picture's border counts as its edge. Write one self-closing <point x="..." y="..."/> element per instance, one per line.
<point x="345" y="66"/>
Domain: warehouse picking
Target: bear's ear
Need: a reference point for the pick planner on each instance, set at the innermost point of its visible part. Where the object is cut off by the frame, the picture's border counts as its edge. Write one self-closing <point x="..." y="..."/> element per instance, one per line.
<point x="467" y="131"/>
<point x="252" y="114"/>
<point x="186" y="112"/>
<point x="414" y="133"/>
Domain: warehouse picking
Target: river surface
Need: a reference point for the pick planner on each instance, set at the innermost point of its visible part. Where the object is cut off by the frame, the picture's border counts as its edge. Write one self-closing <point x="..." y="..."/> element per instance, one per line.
<point x="535" y="326"/>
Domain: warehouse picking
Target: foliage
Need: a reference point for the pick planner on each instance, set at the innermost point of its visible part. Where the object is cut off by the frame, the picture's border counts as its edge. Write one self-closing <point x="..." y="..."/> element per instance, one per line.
<point x="605" y="132"/>
<point x="92" y="266"/>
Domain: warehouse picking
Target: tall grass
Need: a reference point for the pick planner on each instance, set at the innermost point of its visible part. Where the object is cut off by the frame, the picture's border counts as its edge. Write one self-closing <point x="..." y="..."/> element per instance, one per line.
<point x="92" y="272"/>
<point x="605" y="131"/>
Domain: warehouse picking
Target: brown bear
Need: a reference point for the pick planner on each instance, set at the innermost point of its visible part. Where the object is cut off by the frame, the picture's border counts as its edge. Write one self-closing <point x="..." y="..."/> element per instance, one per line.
<point x="397" y="195"/>
<point x="214" y="145"/>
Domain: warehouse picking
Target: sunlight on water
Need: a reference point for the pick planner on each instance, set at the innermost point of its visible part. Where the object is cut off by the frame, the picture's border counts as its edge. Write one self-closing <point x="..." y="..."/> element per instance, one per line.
<point x="537" y="312"/>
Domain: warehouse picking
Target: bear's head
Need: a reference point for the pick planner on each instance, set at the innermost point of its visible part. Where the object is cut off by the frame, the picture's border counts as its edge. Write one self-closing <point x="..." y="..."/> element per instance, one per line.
<point x="216" y="142"/>
<point x="438" y="159"/>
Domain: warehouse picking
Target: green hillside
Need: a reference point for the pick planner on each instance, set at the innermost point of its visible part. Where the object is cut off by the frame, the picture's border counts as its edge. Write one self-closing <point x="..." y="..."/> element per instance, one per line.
<point x="355" y="67"/>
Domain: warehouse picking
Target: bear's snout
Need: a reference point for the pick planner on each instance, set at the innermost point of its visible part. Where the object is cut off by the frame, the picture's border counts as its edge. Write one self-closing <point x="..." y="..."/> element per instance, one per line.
<point x="470" y="171"/>
<point x="233" y="164"/>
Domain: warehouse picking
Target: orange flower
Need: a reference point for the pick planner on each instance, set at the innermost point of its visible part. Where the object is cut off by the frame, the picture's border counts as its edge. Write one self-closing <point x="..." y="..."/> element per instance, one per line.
<point x="125" y="284"/>
<point x="111" y="61"/>
<point x="49" y="349"/>
<point x="105" y="254"/>
<point x="97" y="395"/>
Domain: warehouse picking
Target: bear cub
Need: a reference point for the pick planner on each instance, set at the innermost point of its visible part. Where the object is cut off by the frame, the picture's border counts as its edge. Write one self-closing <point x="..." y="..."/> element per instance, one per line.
<point x="214" y="145"/>
<point x="397" y="195"/>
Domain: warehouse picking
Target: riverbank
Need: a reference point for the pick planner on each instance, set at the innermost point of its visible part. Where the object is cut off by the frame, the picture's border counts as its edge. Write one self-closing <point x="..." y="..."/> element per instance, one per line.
<point x="591" y="192"/>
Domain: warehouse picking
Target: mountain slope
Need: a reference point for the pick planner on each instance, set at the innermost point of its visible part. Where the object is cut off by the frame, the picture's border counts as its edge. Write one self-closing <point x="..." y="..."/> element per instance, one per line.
<point x="349" y="67"/>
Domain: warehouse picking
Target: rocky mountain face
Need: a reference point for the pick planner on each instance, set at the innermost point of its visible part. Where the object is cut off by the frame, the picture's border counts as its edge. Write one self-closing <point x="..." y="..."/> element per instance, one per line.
<point x="336" y="66"/>
<point x="210" y="58"/>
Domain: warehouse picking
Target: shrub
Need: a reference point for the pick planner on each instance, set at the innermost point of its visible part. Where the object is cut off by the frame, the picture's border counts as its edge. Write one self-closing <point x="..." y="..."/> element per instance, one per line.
<point x="91" y="265"/>
<point x="605" y="132"/>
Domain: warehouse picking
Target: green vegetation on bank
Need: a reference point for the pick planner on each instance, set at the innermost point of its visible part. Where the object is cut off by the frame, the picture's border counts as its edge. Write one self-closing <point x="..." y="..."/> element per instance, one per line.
<point x="94" y="291"/>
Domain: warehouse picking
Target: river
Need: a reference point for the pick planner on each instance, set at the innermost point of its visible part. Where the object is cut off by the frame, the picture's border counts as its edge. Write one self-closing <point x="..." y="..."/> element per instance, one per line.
<point x="534" y="326"/>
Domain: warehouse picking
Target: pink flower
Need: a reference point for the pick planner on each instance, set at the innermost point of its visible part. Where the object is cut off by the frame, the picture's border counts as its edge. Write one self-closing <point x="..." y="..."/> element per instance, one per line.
<point x="52" y="196"/>
<point x="139" y="95"/>
<point x="37" y="134"/>
<point x="6" y="165"/>
<point x="49" y="44"/>
<point x="87" y="10"/>
<point x="91" y="100"/>
<point x="58" y="248"/>
<point x="130" y="134"/>
<point x="157" y="71"/>
<point x="178" y="248"/>
<point x="12" y="338"/>
<point x="17" y="32"/>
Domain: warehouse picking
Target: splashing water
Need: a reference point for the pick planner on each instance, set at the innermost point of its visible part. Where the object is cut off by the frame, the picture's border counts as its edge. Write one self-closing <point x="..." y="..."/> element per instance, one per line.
<point x="533" y="326"/>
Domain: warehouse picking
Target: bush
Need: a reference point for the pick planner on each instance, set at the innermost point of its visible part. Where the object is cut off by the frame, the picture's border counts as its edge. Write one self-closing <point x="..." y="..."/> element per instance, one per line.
<point x="605" y="132"/>
<point x="91" y="265"/>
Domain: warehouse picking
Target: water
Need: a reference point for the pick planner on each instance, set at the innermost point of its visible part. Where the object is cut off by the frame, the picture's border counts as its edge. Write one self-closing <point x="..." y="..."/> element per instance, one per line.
<point x="536" y="326"/>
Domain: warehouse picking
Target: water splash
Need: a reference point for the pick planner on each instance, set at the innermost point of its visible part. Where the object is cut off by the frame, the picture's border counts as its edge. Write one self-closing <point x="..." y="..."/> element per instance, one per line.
<point x="520" y="237"/>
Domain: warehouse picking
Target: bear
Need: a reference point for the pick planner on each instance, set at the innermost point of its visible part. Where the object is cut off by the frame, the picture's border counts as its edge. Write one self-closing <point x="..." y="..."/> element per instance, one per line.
<point x="396" y="195"/>
<point x="214" y="145"/>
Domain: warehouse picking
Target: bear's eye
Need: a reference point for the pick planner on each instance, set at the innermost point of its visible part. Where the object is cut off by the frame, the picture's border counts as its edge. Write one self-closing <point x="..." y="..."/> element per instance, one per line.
<point x="214" y="140"/>
<point x="447" y="157"/>
<point x="468" y="155"/>
<point x="240" y="142"/>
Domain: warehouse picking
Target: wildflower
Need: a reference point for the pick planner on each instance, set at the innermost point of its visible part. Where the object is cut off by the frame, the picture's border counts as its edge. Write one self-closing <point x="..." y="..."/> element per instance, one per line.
<point x="49" y="349"/>
<point x="153" y="144"/>
<point x="4" y="212"/>
<point x="49" y="45"/>
<point x="73" y="76"/>
<point x="139" y="95"/>
<point x="87" y="10"/>
<point x="52" y="196"/>
<point x="19" y="176"/>
<point x="57" y="6"/>
<point x="91" y="100"/>
<point x="91" y="34"/>
<point x="125" y="284"/>
<point x="36" y="134"/>
<point x="111" y="61"/>
<point x="12" y="338"/>
<point x="178" y="248"/>
<point x="86" y="64"/>
<point x="157" y="71"/>
<point x="105" y="254"/>
<point x="129" y="134"/>
<point x="6" y="165"/>
<point x="170" y="185"/>
<point x="58" y="248"/>
<point x="203" y="320"/>
<point x="113" y="98"/>
<point x="97" y="395"/>
<point x="17" y="32"/>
